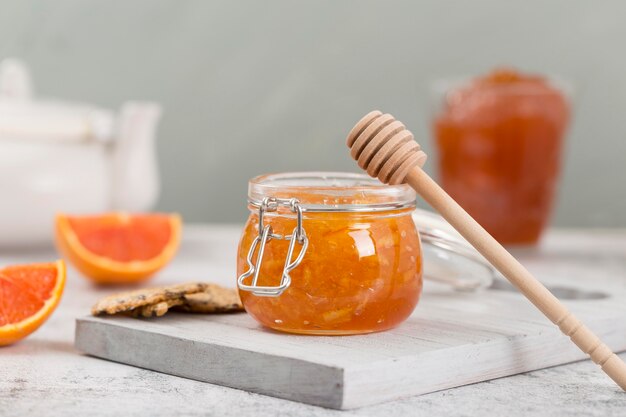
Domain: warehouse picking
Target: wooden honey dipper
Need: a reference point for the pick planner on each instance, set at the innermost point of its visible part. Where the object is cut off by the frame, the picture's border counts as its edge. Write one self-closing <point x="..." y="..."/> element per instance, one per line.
<point x="383" y="147"/>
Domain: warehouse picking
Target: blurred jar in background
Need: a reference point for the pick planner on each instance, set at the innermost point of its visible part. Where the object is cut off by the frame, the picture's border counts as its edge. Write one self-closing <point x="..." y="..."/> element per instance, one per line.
<point x="500" y="140"/>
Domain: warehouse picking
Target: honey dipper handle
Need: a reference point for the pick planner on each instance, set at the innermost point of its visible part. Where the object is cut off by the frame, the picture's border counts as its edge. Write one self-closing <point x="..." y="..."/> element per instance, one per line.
<point x="519" y="276"/>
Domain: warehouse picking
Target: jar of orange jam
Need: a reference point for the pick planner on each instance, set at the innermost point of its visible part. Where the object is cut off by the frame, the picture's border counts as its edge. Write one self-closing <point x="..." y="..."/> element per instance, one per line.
<point x="500" y="141"/>
<point x="329" y="254"/>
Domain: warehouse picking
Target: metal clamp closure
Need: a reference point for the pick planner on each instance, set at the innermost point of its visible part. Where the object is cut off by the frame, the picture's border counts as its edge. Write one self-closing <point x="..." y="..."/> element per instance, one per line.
<point x="265" y="235"/>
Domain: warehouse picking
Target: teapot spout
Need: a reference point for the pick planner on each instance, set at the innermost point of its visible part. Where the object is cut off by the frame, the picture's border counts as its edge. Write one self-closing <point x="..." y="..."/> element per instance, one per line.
<point x="135" y="179"/>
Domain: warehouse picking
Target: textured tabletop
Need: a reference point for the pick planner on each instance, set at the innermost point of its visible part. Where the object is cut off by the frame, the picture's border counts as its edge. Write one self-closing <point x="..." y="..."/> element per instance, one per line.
<point x="45" y="375"/>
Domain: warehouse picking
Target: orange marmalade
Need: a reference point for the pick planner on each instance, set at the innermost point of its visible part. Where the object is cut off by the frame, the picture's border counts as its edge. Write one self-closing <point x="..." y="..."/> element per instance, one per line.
<point x="355" y="266"/>
<point x="500" y="140"/>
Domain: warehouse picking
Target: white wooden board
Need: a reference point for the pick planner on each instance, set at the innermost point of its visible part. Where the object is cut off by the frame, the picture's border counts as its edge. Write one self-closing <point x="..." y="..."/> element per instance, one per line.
<point x="452" y="339"/>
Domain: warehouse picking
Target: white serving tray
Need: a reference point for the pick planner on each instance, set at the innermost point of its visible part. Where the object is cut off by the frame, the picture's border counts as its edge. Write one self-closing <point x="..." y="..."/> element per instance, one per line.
<point x="452" y="339"/>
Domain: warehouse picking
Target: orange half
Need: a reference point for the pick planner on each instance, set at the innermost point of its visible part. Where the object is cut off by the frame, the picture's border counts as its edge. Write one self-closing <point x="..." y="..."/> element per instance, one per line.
<point x="118" y="248"/>
<point x="28" y="296"/>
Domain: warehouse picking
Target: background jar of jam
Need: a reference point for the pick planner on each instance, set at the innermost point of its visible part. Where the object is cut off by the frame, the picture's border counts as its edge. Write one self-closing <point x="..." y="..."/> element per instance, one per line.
<point x="499" y="140"/>
<point x="329" y="254"/>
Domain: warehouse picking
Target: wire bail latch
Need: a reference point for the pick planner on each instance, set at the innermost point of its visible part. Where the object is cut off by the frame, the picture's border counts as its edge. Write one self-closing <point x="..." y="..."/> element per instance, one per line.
<point x="265" y="235"/>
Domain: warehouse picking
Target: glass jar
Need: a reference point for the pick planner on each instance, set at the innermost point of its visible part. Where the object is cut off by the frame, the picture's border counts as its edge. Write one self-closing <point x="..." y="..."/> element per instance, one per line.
<point x="500" y="141"/>
<point x="329" y="254"/>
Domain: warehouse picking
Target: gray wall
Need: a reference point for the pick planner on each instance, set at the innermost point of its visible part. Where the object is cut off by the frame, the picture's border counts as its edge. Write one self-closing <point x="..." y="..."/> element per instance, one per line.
<point x="255" y="86"/>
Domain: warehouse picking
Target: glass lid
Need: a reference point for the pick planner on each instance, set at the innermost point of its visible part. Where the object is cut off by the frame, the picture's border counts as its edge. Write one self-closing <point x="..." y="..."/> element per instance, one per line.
<point x="448" y="257"/>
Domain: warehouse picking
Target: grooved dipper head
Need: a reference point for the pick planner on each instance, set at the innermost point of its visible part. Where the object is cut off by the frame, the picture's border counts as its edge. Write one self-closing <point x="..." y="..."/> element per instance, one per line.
<point x="383" y="147"/>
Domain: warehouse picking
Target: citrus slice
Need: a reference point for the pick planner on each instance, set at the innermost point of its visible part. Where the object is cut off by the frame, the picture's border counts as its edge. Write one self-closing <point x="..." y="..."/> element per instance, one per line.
<point x="28" y="296"/>
<point x="118" y="248"/>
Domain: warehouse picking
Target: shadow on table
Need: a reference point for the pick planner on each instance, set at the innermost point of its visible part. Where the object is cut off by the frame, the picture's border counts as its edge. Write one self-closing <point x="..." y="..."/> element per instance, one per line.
<point x="35" y="346"/>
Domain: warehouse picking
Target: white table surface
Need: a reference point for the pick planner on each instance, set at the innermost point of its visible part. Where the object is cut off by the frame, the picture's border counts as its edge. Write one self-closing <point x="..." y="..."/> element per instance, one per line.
<point x="45" y="375"/>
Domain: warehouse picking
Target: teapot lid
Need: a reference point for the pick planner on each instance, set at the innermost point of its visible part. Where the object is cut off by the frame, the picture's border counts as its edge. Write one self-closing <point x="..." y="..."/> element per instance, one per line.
<point x="22" y="117"/>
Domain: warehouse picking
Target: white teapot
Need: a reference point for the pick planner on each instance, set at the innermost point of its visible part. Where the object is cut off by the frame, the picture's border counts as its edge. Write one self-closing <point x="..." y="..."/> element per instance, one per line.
<point x="61" y="157"/>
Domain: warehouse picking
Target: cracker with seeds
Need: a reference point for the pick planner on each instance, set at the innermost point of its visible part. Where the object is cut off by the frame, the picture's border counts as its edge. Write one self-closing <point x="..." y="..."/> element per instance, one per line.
<point x="129" y="301"/>
<point x="158" y="309"/>
<point x="213" y="299"/>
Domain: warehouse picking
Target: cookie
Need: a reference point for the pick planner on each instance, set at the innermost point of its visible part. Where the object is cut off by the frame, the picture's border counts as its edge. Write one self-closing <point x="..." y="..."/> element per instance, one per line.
<point x="213" y="299"/>
<point x="124" y="302"/>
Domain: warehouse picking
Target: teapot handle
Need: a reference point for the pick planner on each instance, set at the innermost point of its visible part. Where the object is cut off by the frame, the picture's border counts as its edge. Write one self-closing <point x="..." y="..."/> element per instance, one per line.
<point x="15" y="80"/>
<point x="136" y="180"/>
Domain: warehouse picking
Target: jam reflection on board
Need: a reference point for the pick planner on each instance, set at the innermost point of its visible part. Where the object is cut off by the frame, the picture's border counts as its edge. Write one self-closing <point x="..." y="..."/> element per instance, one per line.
<point x="500" y="140"/>
<point x="361" y="273"/>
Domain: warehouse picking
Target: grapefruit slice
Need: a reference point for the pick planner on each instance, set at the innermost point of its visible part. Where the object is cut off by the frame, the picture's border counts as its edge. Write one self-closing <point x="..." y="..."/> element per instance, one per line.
<point x="28" y="296"/>
<point x="118" y="248"/>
